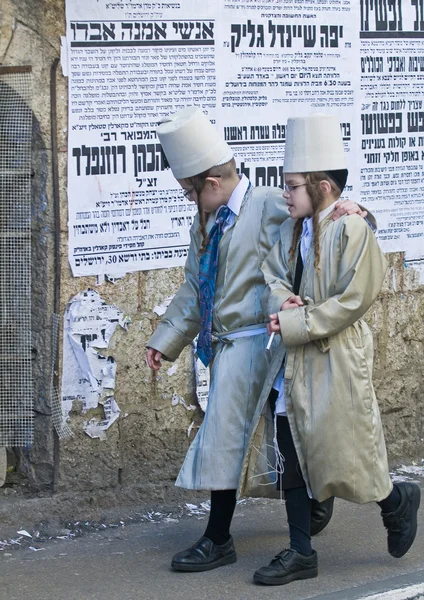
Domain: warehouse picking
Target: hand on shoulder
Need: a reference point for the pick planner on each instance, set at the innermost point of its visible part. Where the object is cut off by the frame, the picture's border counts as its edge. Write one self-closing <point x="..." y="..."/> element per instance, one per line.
<point x="347" y="207"/>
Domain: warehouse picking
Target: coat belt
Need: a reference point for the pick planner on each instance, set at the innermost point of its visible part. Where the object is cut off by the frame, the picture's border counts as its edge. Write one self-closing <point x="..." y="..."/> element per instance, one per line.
<point x="227" y="337"/>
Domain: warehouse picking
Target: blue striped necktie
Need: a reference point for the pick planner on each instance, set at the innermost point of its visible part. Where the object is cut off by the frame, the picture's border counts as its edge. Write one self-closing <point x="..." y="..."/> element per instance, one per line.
<point x="207" y="280"/>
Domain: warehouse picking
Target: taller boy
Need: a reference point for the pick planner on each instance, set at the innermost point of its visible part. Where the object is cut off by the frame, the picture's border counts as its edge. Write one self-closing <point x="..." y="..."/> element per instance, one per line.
<point x="220" y="301"/>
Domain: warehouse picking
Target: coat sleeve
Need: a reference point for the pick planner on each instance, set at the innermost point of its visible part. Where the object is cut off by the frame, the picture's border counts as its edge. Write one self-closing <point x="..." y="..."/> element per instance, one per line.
<point x="278" y="277"/>
<point x="274" y="214"/>
<point x="181" y="322"/>
<point x="360" y="274"/>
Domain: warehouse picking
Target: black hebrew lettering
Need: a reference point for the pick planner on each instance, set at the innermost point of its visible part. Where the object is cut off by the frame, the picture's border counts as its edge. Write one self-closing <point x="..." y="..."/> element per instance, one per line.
<point x="106" y="136"/>
<point x="397" y="64"/>
<point x="235" y="133"/>
<point x="136" y="31"/>
<point x="143" y="31"/>
<point x="419" y="14"/>
<point x="269" y="176"/>
<point x="279" y="132"/>
<point x="259" y="132"/>
<point x="330" y="35"/>
<point x="283" y="35"/>
<point x="83" y="261"/>
<point x="378" y="123"/>
<point x="98" y="159"/>
<point x="384" y="15"/>
<point x="148" y="157"/>
<point x="98" y="31"/>
<point x="416" y="63"/>
<point x="85" y="228"/>
<point x="346" y="131"/>
<point x="416" y="121"/>
<point x="137" y="135"/>
<point x="198" y="29"/>
<point x="372" y="64"/>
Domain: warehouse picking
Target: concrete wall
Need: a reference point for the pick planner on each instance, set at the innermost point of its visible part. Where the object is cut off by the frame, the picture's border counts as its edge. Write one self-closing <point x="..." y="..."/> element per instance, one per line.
<point x="140" y="458"/>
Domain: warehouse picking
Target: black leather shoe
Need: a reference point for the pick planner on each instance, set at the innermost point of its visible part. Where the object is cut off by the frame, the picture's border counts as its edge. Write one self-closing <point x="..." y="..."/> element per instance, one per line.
<point x="321" y="513"/>
<point x="401" y="524"/>
<point x="204" y="555"/>
<point x="287" y="566"/>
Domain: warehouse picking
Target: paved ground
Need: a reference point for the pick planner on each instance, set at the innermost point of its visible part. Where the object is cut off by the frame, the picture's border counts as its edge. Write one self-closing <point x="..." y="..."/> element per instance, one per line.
<point x="132" y="562"/>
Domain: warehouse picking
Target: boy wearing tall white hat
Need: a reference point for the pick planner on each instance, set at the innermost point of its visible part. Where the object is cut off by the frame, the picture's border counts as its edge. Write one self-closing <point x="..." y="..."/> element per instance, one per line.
<point x="321" y="277"/>
<point x="234" y="229"/>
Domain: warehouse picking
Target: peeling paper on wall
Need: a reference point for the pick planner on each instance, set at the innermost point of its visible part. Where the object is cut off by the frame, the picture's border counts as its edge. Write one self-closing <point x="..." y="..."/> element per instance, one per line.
<point x="176" y="399"/>
<point x="161" y="308"/>
<point x="95" y="428"/>
<point x="105" y="278"/>
<point x="88" y="375"/>
<point x="202" y="379"/>
<point x="172" y="370"/>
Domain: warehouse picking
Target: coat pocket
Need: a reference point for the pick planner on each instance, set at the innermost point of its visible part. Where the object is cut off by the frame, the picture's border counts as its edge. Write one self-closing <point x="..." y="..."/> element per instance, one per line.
<point x="360" y="368"/>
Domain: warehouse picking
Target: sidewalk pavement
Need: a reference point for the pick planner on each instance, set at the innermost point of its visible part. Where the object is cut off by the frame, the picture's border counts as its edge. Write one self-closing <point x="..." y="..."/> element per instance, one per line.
<point x="133" y="562"/>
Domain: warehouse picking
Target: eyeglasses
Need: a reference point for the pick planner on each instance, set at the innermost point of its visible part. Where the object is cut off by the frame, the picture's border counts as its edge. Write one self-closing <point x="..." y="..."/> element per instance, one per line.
<point x="187" y="193"/>
<point x="289" y="188"/>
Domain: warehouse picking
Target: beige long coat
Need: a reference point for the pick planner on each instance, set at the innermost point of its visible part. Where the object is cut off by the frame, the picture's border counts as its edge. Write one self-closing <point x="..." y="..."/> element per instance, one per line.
<point x="239" y="368"/>
<point x="330" y="400"/>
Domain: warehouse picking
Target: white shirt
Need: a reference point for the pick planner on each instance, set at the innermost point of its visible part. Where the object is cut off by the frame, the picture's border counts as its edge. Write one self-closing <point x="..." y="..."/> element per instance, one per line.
<point x="306" y="238"/>
<point x="307" y="234"/>
<point x="235" y="202"/>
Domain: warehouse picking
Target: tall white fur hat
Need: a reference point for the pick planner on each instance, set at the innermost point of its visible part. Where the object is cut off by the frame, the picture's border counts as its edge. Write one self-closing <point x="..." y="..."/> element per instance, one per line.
<point x="314" y="143"/>
<point x="191" y="143"/>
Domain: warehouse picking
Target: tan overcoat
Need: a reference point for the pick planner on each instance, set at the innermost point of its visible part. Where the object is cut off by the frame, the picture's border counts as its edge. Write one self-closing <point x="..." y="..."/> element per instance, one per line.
<point x="331" y="404"/>
<point x="239" y="367"/>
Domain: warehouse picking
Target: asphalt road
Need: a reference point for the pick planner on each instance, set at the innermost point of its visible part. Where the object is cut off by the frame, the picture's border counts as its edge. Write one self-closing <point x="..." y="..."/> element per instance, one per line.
<point x="131" y="562"/>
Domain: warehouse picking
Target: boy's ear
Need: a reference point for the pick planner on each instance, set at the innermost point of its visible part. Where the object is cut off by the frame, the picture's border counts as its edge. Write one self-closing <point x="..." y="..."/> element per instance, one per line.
<point x="213" y="182"/>
<point x="325" y="186"/>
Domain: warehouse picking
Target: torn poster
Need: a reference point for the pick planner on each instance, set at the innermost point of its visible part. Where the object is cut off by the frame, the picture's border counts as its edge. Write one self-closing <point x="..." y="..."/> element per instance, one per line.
<point x="89" y="375"/>
<point x="161" y="308"/>
<point x="95" y="428"/>
<point x="202" y="379"/>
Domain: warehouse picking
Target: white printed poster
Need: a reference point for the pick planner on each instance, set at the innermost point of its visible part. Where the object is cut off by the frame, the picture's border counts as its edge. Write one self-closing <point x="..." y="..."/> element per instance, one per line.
<point x="391" y="124"/>
<point x="127" y="70"/>
<point x="250" y="65"/>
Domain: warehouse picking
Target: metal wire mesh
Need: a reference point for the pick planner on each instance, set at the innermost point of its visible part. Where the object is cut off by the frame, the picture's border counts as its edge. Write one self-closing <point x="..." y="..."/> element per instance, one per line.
<point x="16" y="401"/>
<point x="59" y="420"/>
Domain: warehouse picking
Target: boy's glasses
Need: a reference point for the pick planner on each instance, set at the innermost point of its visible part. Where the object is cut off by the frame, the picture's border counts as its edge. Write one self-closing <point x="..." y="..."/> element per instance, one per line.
<point x="187" y="193"/>
<point x="289" y="188"/>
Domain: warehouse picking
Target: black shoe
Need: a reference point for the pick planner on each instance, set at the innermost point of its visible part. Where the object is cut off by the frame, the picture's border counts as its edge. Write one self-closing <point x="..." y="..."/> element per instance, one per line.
<point x="321" y="513"/>
<point x="204" y="556"/>
<point x="287" y="566"/>
<point x="401" y="524"/>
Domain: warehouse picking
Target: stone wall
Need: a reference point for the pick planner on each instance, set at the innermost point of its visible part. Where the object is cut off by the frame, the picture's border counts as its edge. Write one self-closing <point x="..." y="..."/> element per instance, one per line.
<point x="397" y="319"/>
<point x="140" y="457"/>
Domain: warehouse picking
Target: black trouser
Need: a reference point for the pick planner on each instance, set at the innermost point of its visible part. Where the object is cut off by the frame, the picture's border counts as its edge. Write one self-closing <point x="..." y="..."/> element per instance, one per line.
<point x="223" y="502"/>
<point x="298" y="503"/>
<point x="292" y="476"/>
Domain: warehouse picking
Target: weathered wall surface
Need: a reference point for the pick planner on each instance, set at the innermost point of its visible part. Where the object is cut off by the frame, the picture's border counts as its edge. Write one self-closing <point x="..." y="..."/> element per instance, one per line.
<point x="29" y="36"/>
<point x="139" y="459"/>
<point x="397" y="319"/>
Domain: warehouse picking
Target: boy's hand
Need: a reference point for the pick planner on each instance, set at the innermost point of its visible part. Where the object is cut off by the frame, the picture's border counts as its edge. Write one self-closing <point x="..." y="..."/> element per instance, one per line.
<point x="153" y="358"/>
<point x="273" y="326"/>
<point x="347" y="207"/>
<point x="292" y="302"/>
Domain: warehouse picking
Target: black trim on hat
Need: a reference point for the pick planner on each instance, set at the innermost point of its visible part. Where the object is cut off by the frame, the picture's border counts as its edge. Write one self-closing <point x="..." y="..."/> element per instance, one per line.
<point x="339" y="177"/>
